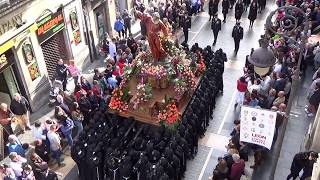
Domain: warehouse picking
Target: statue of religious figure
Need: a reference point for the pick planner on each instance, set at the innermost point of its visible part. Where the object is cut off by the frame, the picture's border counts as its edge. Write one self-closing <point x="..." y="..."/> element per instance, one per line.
<point x="154" y="27"/>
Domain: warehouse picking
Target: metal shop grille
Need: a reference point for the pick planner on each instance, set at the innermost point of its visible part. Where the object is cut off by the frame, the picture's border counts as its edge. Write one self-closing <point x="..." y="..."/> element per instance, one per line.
<point x="54" y="49"/>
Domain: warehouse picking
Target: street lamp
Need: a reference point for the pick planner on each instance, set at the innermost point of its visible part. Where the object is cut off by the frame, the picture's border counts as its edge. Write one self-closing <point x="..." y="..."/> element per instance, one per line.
<point x="288" y="22"/>
<point x="262" y="58"/>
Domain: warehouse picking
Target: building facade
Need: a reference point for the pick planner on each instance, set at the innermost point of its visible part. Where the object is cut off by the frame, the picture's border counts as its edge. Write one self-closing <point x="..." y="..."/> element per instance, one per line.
<point x="34" y="34"/>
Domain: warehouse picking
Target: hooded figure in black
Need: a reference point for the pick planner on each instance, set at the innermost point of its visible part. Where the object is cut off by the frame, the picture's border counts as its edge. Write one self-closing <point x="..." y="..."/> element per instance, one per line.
<point x="167" y="167"/>
<point x="125" y="168"/>
<point x="141" y="167"/>
<point x="173" y="161"/>
<point x="85" y="107"/>
<point x="78" y="154"/>
<point x="112" y="168"/>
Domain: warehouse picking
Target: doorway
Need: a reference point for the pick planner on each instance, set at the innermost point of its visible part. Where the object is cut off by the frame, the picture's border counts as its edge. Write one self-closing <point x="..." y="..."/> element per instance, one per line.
<point x="9" y="85"/>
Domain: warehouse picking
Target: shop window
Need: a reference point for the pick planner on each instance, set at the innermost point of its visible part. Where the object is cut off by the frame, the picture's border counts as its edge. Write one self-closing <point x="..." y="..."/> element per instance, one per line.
<point x="101" y="27"/>
<point x="30" y="59"/>
<point x="75" y="26"/>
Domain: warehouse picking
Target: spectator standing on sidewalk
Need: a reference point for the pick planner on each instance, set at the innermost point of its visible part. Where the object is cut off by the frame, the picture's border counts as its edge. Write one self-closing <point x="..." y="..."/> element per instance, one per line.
<point x="242" y="88"/>
<point x="314" y="101"/>
<point x="5" y="121"/>
<point x="27" y="173"/>
<point x="20" y="108"/>
<point x="127" y="22"/>
<point x="300" y="161"/>
<point x="77" y="118"/>
<point x="113" y="48"/>
<point x="55" y="145"/>
<point x="16" y="164"/>
<point x="37" y="131"/>
<point x="6" y="172"/>
<point x="74" y="72"/>
<point x="66" y="128"/>
<point x="16" y="146"/>
<point x="42" y="150"/>
<point x="62" y="73"/>
<point x="119" y="26"/>
<point x="237" y="168"/>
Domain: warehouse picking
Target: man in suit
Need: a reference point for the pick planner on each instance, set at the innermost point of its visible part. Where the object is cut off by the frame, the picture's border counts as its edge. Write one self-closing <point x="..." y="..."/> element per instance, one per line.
<point x="62" y="73"/>
<point x="237" y="34"/>
<point x="186" y="26"/>
<point x="216" y="27"/>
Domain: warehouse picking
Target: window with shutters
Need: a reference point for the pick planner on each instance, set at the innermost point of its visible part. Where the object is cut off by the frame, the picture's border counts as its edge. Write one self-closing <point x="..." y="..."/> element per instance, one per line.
<point x="53" y="50"/>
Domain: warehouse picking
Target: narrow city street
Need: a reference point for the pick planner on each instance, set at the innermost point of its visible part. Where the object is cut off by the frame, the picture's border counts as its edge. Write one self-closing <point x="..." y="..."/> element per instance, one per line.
<point x="84" y="50"/>
<point x="213" y="144"/>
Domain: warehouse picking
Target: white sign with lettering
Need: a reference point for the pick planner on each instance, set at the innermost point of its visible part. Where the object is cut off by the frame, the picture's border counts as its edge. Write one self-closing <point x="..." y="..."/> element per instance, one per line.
<point x="257" y="126"/>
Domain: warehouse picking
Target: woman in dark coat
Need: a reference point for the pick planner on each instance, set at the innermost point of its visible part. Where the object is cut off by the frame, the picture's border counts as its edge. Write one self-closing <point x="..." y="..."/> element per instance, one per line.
<point x="225" y="9"/>
<point x="252" y="13"/>
<point x="238" y="10"/>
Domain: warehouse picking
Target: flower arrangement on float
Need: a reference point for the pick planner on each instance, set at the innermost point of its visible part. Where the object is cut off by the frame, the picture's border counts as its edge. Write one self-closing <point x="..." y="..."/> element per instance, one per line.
<point x="170" y="115"/>
<point x="169" y="46"/>
<point x="144" y="91"/>
<point x="119" y="99"/>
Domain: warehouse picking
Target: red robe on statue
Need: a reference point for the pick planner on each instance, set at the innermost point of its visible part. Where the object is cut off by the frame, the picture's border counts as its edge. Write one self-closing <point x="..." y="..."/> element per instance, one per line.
<point x="153" y="31"/>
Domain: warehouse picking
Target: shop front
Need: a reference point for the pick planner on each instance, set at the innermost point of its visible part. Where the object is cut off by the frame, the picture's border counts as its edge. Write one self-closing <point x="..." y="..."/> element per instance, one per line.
<point x="73" y="18"/>
<point x="99" y="16"/>
<point x="100" y="22"/>
<point x="52" y="40"/>
<point x="10" y="78"/>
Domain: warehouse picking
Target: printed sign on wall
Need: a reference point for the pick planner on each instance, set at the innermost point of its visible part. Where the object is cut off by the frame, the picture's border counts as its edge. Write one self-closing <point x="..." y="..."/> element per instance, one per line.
<point x="49" y="26"/>
<point x="75" y="26"/>
<point x="257" y="126"/>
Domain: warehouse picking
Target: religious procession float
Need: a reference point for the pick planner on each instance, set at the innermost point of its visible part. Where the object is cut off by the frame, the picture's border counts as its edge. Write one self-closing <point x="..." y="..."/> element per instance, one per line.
<point x="158" y="85"/>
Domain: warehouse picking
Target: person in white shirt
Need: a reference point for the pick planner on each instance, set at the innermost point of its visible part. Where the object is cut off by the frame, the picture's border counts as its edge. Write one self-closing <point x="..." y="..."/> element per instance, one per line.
<point x="6" y="172"/>
<point x="16" y="163"/>
<point x="37" y="131"/>
<point x="265" y="85"/>
<point x="277" y="67"/>
<point x="256" y="85"/>
<point x="113" y="48"/>
<point x="55" y="145"/>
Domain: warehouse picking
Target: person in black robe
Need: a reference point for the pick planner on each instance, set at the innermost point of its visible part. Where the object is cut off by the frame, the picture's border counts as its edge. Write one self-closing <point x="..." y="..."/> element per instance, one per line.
<point x="252" y="13"/>
<point x="213" y="8"/>
<point x="215" y="27"/>
<point x="225" y="9"/>
<point x="85" y="107"/>
<point x="238" y="10"/>
<point x="125" y="168"/>
<point x="141" y="167"/>
<point x="246" y="4"/>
